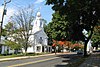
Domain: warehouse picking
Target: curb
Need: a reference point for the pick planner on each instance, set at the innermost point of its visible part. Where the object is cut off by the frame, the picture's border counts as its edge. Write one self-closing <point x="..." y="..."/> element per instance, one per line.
<point x="26" y="57"/>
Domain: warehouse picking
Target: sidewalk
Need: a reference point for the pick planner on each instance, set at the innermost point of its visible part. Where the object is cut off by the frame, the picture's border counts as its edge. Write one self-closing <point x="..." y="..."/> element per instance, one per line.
<point x="25" y="57"/>
<point x="92" y="61"/>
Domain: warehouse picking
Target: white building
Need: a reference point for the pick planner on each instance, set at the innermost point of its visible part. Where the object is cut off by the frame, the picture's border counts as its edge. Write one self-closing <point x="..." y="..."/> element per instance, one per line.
<point x="38" y="38"/>
<point x="3" y="48"/>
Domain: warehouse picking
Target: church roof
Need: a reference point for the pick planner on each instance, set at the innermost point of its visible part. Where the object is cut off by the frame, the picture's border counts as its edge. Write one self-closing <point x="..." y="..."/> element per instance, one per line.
<point x="42" y="32"/>
<point x="37" y="32"/>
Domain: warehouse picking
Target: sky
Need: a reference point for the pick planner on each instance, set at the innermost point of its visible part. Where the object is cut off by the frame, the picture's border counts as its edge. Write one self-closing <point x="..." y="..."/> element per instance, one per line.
<point x="14" y="5"/>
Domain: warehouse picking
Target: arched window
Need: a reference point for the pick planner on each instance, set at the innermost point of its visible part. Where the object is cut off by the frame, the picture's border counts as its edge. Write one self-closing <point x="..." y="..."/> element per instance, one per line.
<point x="40" y="23"/>
<point x="36" y="23"/>
<point x="40" y="40"/>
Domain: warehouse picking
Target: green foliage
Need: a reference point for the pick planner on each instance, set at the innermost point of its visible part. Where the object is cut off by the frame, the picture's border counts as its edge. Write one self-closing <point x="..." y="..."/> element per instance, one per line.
<point x="19" y="28"/>
<point x="76" y="48"/>
<point x="57" y="29"/>
<point x="12" y="44"/>
<point x="96" y="36"/>
<point x="4" y="32"/>
<point x="9" y="26"/>
<point x="78" y="15"/>
<point x="6" y="53"/>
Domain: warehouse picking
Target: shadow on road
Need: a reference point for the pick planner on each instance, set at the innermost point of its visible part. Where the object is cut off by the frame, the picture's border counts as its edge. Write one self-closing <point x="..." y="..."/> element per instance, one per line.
<point x="69" y="60"/>
<point x="93" y="60"/>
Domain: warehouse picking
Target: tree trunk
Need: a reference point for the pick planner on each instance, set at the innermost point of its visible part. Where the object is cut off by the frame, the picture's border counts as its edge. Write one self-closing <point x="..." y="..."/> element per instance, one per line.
<point x="85" y="48"/>
<point x="25" y="51"/>
<point x="86" y="42"/>
<point x="55" y="49"/>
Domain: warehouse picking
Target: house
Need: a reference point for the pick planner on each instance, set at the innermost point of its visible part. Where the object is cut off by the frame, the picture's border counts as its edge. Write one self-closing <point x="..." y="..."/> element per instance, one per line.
<point x="3" y="48"/>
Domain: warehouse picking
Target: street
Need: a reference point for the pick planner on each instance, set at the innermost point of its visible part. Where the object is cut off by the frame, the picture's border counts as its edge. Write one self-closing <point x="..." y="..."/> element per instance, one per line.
<point x="45" y="61"/>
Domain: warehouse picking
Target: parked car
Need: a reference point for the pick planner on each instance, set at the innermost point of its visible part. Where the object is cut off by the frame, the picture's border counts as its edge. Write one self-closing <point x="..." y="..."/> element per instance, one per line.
<point x="79" y="52"/>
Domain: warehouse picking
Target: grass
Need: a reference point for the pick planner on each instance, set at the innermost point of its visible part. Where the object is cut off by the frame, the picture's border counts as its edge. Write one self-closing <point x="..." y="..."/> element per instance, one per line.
<point x="20" y="55"/>
<point x="10" y="56"/>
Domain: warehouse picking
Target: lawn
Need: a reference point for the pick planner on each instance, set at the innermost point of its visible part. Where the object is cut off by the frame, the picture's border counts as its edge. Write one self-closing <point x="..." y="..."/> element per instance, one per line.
<point x="10" y="56"/>
<point x="20" y="55"/>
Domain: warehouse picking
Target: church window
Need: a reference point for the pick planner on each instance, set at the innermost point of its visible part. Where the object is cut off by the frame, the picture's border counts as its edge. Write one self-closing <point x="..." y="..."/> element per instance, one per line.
<point x="40" y="23"/>
<point x="40" y="40"/>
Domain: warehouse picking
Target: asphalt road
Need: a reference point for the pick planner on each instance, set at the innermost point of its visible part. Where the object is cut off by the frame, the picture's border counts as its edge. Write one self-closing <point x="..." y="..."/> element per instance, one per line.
<point x="44" y="61"/>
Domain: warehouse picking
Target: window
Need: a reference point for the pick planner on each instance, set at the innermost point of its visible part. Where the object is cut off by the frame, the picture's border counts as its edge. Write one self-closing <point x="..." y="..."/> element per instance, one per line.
<point x="38" y="48"/>
<point x="40" y="23"/>
<point x="40" y="40"/>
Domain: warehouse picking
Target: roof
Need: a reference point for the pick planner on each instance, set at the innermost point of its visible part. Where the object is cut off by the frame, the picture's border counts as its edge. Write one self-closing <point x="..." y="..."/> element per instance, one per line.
<point x="40" y="32"/>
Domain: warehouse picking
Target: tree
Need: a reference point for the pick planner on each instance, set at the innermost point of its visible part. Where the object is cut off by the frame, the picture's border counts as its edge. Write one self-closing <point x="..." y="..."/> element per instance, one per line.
<point x="13" y="45"/>
<point x="80" y="14"/>
<point x="9" y="28"/>
<point x="22" y="21"/>
<point x="96" y="37"/>
<point x="58" y="27"/>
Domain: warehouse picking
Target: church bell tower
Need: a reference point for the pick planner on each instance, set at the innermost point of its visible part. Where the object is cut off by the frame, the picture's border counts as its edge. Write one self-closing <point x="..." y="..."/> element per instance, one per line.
<point x="38" y="23"/>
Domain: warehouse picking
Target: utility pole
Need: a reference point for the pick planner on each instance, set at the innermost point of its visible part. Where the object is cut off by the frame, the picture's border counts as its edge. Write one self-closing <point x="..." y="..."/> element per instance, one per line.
<point x="4" y="13"/>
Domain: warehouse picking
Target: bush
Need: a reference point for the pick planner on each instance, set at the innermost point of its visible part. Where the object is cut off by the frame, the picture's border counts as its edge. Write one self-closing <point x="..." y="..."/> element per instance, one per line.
<point x="6" y="53"/>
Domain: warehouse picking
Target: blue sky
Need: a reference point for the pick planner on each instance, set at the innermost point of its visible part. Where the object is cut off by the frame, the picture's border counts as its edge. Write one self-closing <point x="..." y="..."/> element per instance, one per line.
<point x="45" y="10"/>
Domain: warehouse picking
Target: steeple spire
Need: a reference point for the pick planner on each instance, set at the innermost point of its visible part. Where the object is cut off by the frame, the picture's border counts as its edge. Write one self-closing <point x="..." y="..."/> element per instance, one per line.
<point x="38" y="14"/>
<point x="38" y="23"/>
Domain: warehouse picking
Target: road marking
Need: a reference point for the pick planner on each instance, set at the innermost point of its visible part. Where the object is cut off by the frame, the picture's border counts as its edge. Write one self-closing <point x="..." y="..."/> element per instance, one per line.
<point x="64" y="63"/>
<point x="33" y="62"/>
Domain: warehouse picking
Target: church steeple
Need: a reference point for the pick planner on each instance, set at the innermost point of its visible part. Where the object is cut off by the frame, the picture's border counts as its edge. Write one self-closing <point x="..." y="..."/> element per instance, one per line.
<point x="38" y="22"/>
<point x="38" y="14"/>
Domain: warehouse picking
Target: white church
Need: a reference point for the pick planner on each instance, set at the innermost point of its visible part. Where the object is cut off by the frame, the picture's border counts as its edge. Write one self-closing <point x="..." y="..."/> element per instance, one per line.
<point x="38" y="38"/>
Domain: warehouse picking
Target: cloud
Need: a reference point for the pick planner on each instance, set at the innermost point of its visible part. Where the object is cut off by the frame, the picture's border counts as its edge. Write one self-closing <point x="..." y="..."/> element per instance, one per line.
<point x="39" y="1"/>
